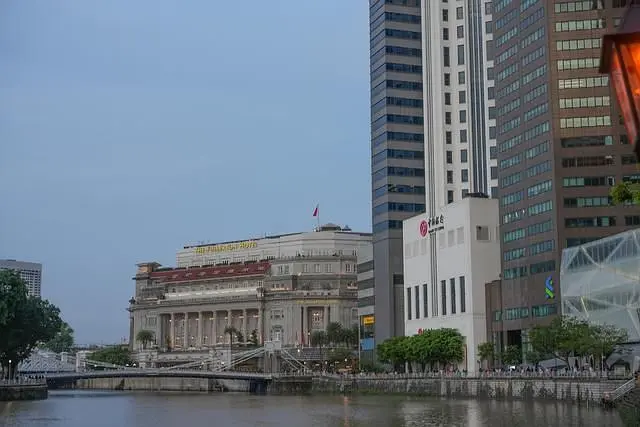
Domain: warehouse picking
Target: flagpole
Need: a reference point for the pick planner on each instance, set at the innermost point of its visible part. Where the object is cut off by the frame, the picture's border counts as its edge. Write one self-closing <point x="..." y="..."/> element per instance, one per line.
<point x="318" y="218"/>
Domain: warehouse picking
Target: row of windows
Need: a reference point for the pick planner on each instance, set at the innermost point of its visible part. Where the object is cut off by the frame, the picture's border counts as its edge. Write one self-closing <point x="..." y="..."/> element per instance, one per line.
<point x="398" y="136"/>
<point x="601" y="81"/>
<point x="401" y="189"/>
<point x="387" y="225"/>
<point x="536" y="111"/>
<point x="598" y="221"/>
<point x="587" y="161"/>
<point x="585" y="122"/>
<point x="533" y="56"/>
<point x="529" y="134"/>
<point x="544" y="310"/>
<point x="586" y="141"/>
<point x="587" y="202"/>
<point x="397" y="154"/>
<point x="395" y="17"/>
<point x="398" y="34"/>
<point x="577" y="64"/>
<point x="395" y="50"/>
<point x="395" y="84"/>
<point x="586" y="24"/>
<point x="398" y="207"/>
<point x="521" y="233"/>
<point x="397" y="171"/>
<point x="585" y="102"/>
<point x="538" y="72"/>
<point x="533" y="37"/>
<point x="579" y="44"/>
<point x="533" y="269"/>
<point x="396" y="118"/>
<point x="588" y="181"/>
<point x="533" y="249"/>
<point x="396" y="101"/>
<point x="577" y="6"/>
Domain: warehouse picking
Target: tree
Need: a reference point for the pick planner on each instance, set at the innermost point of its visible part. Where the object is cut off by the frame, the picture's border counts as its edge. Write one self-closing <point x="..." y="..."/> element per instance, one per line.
<point x="231" y="331"/>
<point x="334" y="333"/>
<point x="115" y="355"/>
<point x="63" y="341"/>
<point x="393" y="351"/>
<point x="486" y="352"/>
<point x="318" y="338"/>
<point x="568" y="336"/>
<point x="239" y="337"/>
<point x="512" y="355"/>
<point x="625" y="192"/>
<point x="25" y="321"/>
<point x="253" y="338"/>
<point x="145" y="337"/>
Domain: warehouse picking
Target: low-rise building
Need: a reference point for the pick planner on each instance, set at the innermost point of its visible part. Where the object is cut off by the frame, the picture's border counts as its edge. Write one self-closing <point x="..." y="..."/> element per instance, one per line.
<point x="284" y="298"/>
<point x="448" y="257"/>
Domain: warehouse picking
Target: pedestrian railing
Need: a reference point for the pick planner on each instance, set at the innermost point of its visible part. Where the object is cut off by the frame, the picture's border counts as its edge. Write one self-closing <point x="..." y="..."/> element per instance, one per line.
<point x="21" y="381"/>
<point x="621" y="391"/>
<point x="589" y="375"/>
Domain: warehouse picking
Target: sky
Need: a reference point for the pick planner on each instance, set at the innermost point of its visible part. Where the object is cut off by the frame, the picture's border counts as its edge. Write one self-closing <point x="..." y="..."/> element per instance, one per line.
<point x="131" y="128"/>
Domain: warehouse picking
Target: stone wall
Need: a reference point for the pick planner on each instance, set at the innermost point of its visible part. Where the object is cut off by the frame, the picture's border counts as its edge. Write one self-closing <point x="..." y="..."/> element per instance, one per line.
<point x="23" y="392"/>
<point x="573" y="390"/>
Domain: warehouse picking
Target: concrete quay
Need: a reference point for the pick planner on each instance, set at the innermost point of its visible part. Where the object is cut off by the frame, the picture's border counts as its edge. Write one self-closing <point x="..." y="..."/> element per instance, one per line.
<point x="587" y="391"/>
<point x="23" y="390"/>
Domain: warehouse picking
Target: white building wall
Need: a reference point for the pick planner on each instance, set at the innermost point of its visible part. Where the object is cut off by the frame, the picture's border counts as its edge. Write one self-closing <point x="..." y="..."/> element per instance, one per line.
<point x="449" y="98"/>
<point x="289" y="245"/>
<point x="468" y="246"/>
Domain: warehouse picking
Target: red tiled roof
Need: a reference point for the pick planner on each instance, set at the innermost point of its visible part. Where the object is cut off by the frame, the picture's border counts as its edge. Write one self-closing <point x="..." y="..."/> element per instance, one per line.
<point x="218" y="272"/>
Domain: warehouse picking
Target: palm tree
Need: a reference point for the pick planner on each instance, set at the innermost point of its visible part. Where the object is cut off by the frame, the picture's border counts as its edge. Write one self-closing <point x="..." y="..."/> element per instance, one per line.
<point x="231" y="331"/>
<point x="318" y="338"/>
<point x="145" y="337"/>
<point x="334" y="333"/>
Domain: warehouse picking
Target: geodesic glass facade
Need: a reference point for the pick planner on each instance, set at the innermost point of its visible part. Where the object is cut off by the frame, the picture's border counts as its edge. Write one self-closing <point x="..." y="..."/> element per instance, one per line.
<point x="600" y="282"/>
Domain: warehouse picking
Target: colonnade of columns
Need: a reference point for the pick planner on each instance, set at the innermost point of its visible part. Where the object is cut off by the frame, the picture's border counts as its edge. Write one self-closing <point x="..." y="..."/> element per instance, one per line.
<point x="207" y="328"/>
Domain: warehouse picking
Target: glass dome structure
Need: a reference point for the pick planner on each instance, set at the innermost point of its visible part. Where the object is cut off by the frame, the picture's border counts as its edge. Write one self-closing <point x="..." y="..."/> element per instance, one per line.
<point x="600" y="282"/>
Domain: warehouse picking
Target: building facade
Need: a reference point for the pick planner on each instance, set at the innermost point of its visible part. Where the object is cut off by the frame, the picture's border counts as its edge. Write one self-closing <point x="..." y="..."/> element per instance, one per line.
<point x="30" y="272"/>
<point x="460" y="149"/>
<point x="561" y="146"/>
<point x="397" y="148"/>
<point x="284" y="298"/>
<point x="451" y="292"/>
<point x="366" y="303"/>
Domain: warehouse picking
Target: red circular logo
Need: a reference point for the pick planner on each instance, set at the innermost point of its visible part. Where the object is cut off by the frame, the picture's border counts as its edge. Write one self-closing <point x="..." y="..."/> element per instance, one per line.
<point x="424" y="228"/>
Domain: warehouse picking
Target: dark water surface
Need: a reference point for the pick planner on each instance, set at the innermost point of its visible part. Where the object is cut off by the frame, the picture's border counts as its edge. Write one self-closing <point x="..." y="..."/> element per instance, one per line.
<point x="122" y="409"/>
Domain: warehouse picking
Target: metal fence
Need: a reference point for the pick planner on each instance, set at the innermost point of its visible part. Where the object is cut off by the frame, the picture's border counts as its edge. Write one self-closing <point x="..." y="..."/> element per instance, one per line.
<point x="22" y="382"/>
<point x="585" y="375"/>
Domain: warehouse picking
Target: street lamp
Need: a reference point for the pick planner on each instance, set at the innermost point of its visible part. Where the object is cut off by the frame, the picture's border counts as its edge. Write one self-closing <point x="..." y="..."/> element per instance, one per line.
<point x="9" y="369"/>
<point x="621" y="60"/>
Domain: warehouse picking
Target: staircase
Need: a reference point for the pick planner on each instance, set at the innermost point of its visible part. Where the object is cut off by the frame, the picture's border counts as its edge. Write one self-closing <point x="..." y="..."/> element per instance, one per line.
<point x="626" y="400"/>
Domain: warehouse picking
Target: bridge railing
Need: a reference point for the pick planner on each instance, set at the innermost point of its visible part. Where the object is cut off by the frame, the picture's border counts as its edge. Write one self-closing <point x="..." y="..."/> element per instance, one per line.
<point x="246" y="356"/>
<point x="292" y="360"/>
<point x="21" y="381"/>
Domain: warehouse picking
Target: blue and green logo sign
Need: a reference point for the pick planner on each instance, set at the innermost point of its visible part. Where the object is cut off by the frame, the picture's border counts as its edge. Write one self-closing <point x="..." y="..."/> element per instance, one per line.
<point x="548" y="288"/>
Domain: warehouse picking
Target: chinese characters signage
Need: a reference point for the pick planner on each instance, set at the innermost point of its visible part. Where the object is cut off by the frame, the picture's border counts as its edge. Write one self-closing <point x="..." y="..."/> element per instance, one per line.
<point x="431" y="225"/>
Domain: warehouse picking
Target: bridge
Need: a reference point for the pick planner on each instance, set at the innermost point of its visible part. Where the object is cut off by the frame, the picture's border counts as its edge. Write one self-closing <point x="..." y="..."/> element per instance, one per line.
<point x="59" y="369"/>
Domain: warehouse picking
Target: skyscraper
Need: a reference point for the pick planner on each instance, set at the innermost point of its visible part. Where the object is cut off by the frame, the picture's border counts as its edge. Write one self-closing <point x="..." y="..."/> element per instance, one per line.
<point x="397" y="148"/>
<point x="30" y="272"/>
<point x="561" y="146"/>
<point x="459" y="102"/>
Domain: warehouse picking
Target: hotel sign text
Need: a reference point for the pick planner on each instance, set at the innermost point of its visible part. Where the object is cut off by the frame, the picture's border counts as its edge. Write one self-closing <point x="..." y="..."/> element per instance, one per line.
<point x="225" y="247"/>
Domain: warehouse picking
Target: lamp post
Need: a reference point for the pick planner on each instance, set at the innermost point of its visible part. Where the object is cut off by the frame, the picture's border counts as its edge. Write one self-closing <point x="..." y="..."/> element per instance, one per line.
<point x="621" y="60"/>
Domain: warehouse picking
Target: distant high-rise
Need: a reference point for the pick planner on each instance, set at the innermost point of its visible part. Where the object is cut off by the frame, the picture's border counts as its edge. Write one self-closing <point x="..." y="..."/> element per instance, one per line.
<point x="561" y="146"/>
<point x="397" y="149"/>
<point x="30" y="272"/>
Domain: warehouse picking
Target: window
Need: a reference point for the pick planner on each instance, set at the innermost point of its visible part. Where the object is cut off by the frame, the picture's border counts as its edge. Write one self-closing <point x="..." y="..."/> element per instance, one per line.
<point x="463" y="116"/>
<point x="409" y="304"/>
<point x="416" y="292"/>
<point x="460" y="31"/>
<point x="464" y="156"/>
<point x="445" y="56"/>
<point x="449" y="177"/>
<point x="482" y="233"/>
<point x="425" y="305"/>
<point x="445" y="15"/>
<point x="459" y="13"/>
<point x="452" y="289"/>
<point x="461" y="54"/>
<point x="462" y="97"/>
<point x="464" y="175"/>
<point x="449" y="157"/>
<point x="445" y="34"/>
<point x="461" y="78"/>
<point x="449" y="196"/>
<point x="463" y="295"/>
<point x="443" y="296"/>
<point x="463" y="136"/>
<point x="447" y="98"/>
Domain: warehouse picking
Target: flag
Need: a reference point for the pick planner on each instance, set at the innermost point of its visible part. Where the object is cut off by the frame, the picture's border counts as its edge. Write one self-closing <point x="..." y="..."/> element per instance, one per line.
<point x="316" y="211"/>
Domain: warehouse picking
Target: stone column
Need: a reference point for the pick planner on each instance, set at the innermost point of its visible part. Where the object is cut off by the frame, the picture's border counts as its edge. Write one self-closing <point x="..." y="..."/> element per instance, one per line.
<point x="229" y="323"/>
<point x="185" y="339"/>
<point x="172" y="330"/>
<point x="305" y="325"/>
<point x="200" y="327"/>
<point x="325" y="317"/>
<point x="260" y="340"/>
<point x="244" y="323"/>
<point x="214" y="328"/>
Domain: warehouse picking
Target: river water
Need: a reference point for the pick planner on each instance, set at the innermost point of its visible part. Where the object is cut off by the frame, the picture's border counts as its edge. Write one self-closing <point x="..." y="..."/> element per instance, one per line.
<point x="136" y="409"/>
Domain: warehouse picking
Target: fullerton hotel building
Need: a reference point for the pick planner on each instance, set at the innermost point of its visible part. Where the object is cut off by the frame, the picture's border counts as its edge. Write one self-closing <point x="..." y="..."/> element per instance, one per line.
<point x="275" y="288"/>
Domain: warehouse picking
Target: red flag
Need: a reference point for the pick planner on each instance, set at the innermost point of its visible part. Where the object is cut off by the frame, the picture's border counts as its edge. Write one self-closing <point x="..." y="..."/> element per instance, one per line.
<point x="315" y="211"/>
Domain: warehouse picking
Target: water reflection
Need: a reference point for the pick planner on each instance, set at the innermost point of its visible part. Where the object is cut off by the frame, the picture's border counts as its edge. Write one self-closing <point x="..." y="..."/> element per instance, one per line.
<point x="98" y="409"/>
